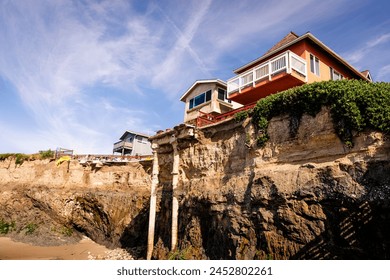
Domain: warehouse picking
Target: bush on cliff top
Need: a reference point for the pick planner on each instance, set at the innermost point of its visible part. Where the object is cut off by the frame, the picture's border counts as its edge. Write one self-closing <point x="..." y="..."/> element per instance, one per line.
<point x="20" y="158"/>
<point x="355" y="105"/>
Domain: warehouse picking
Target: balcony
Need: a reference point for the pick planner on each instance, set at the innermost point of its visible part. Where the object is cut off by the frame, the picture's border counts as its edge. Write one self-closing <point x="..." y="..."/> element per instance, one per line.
<point x="118" y="146"/>
<point x="279" y="73"/>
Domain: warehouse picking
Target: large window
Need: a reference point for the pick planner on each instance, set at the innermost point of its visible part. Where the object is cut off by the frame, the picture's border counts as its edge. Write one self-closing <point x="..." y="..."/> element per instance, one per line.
<point x="334" y="75"/>
<point x="314" y="65"/>
<point x="200" y="99"/>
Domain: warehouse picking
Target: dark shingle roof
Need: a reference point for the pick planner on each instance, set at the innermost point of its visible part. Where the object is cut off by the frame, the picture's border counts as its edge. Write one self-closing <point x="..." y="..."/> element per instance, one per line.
<point x="287" y="39"/>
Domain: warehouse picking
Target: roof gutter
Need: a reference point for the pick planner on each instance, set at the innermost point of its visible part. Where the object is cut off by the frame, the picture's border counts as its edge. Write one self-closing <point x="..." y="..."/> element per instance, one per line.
<point x="312" y="38"/>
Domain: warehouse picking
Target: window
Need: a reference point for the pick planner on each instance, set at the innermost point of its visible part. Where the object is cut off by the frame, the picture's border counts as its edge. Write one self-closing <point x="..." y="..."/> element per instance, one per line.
<point x="334" y="75"/>
<point x="222" y="95"/>
<point x="314" y="65"/>
<point x="208" y="95"/>
<point x="200" y="99"/>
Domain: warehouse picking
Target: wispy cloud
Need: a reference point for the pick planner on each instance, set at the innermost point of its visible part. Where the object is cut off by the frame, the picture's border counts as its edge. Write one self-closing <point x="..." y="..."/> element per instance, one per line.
<point x="52" y="56"/>
<point x="357" y="55"/>
<point x="87" y="70"/>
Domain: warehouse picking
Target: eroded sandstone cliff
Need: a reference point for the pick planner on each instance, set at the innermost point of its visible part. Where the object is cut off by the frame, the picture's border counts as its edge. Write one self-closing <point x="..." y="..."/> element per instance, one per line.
<point x="306" y="197"/>
<point x="303" y="197"/>
<point x="50" y="204"/>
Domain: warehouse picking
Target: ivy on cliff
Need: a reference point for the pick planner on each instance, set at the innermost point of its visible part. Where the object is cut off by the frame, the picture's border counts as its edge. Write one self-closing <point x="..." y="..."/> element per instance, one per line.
<point x="355" y="105"/>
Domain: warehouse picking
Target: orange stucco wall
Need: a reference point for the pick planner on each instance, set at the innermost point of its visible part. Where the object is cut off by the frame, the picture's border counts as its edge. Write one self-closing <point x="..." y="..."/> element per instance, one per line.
<point x="304" y="49"/>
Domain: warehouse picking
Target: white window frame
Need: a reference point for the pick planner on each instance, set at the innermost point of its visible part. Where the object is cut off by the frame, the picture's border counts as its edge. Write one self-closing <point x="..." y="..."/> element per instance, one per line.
<point x="205" y="99"/>
<point x="334" y="75"/>
<point x="314" y="65"/>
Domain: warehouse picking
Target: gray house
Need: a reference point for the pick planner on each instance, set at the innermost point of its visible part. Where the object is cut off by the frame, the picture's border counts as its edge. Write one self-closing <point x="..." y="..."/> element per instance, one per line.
<point x="133" y="144"/>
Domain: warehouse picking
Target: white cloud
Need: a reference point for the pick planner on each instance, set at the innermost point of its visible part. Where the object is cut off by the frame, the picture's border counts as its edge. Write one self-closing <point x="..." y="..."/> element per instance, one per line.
<point x="359" y="54"/>
<point x="52" y="56"/>
<point x="87" y="70"/>
<point x="384" y="73"/>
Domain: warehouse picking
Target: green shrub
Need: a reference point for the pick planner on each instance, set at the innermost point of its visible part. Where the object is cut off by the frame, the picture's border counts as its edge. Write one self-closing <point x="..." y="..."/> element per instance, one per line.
<point x="240" y="116"/>
<point x="20" y="158"/>
<point x="30" y="228"/>
<point x="67" y="231"/>
<point x="5" y="156"/>
<point x="6" y="227"/>
<point x="179" y="254"/>
<point x="46" y="154"/>
<point x="355" y="105"/>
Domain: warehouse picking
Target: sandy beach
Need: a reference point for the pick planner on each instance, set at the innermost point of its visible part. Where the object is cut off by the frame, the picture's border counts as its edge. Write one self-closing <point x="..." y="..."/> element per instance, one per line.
<point x="11" y="250"/>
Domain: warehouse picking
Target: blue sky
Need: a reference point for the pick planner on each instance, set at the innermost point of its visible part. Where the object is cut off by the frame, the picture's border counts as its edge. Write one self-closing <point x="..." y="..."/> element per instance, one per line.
<point x="77" y="74"/>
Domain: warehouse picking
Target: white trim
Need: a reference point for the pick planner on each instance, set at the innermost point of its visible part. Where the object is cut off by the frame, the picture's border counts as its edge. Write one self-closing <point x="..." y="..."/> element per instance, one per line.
<point x="311" y="37"/>
<point x="214" y="81"/>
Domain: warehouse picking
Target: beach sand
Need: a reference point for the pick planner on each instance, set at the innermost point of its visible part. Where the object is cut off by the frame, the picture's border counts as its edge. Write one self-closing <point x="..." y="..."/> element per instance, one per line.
<point x="11" y="250"/>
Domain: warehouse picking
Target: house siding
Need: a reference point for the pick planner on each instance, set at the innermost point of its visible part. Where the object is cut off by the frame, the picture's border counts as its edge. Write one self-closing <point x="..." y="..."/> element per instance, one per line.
<point x="214" y="106"/>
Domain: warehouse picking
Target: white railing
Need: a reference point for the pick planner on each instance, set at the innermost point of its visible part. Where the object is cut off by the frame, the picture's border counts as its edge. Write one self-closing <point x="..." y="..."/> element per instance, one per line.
<point x="123" y="144"/>
<point x="286" y="61"/>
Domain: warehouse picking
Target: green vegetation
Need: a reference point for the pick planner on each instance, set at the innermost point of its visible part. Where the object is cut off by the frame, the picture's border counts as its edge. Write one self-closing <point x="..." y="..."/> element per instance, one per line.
<point x="66" y="231"/>
<point x="5" y="156"/>
<point x="179" y="254"/>
<point x="30" y="228"/>
<point x="355" y="105"/>
<point x="20" y="158"/>
<point x="46" y="154"/>
<point x="240" y="116"/>
<point x="6" y="227"/>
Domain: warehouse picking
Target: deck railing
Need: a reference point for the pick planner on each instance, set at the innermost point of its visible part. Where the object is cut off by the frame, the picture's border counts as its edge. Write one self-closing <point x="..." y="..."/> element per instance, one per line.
<point x="286" y="61"/>
<point x="123" y="144"/>
<point x="207" y="119"/>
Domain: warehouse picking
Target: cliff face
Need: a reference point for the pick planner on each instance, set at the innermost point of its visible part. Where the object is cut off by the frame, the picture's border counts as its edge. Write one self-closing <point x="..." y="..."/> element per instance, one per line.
<point x="302" y="197"/>
<point x="62" y="202"/>
<point x="306" y="196"/>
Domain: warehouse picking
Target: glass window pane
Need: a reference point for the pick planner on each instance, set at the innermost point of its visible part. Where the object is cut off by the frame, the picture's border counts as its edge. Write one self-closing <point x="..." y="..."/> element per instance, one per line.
<point x="221" y="94"/>
<point x="191" y="103"/>
<point x="317" y="66"/>
<point x="312" y="63"/>
<point x="208" y="95"/>
<point x="199" y="99"/>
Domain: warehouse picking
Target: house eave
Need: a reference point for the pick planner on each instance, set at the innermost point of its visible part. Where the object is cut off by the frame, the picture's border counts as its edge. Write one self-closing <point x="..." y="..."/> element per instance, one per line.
<point x="197" y="82"/>
<point x="133" y="132"/>
<point x="310" y="37"/>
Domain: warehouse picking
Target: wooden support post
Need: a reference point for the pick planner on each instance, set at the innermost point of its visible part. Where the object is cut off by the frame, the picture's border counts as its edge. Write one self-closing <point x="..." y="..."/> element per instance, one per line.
<point x="175" y="200"/>
<point x="153" y="202"/>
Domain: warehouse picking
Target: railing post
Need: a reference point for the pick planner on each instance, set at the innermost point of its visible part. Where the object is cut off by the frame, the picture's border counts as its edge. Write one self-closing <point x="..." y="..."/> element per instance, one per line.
<point x="253" y="77"/>
<point x="288" y="64"/>
<point x="269" y="70"/>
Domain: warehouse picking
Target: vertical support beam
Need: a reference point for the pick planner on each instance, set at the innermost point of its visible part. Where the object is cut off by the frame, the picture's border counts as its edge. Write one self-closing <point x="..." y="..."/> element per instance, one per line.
<point x="153" y="200"/>
<point x="175" y="201"/>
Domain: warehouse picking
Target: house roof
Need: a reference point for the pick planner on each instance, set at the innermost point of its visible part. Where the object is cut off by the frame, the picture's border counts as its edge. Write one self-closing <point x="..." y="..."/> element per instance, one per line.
<point x="198" y="82"/>
<point x="133" y="132"/>
<point x="291" y="39"/>
<point x="287" y="39"/>
<point x="367" y="74"/>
